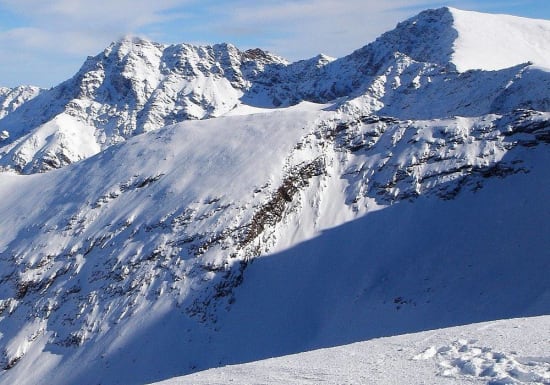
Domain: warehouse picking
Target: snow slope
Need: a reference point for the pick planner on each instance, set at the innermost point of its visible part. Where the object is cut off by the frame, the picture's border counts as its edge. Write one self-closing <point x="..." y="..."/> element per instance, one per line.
<point x="57" y="143"/>
<point x="499" y="352"/>
<point x="470" y="40"/>
<point x="151" y="242"/>
<point x="494" y="42"/>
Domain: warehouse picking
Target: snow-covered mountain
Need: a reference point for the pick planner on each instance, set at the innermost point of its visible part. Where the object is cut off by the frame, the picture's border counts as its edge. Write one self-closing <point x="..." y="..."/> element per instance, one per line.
<point x="470" y="40"/>
<point x="136" y="86"/>
<point x="205" y="206"/>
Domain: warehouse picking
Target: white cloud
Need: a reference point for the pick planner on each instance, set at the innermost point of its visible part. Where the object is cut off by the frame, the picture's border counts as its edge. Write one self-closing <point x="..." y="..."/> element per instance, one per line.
<point x="54" y="37"/>
<point x="302" y="28"/>
<point x="78" y="26"/>
<point x="127" y="12"/>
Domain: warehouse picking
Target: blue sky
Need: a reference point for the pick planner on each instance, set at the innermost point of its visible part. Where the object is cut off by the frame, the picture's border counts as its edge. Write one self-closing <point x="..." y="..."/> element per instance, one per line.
<point x="44" y="42"/>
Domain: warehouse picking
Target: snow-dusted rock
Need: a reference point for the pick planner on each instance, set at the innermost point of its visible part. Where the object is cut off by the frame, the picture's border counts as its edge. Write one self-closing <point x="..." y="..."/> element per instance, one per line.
<point x="13" y="98"/>
<point x="172" y="219"/>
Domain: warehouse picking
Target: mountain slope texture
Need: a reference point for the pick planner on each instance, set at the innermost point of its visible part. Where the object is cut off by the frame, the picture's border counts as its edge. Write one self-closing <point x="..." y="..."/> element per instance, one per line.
<point x="172" y="209"/>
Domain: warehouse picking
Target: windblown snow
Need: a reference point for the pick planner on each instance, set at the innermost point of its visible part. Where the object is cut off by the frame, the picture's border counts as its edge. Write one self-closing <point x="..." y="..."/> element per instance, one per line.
<point x="177" y="209"/>
<point x="471" y="40"/>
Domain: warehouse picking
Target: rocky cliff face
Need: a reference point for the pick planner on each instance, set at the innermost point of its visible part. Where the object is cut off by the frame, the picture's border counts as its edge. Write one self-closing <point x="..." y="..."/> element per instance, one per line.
<point x="132" y="87"/>
<point x="12" y="98"/>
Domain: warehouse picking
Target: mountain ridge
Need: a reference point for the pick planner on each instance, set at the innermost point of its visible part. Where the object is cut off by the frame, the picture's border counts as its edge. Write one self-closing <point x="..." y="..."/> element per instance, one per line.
<point x="145" y="225"/>
<point x="135" y="86"/>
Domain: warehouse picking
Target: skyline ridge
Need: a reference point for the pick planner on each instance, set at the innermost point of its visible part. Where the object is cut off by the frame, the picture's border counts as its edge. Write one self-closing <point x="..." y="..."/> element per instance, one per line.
<point x="39" y="52"/>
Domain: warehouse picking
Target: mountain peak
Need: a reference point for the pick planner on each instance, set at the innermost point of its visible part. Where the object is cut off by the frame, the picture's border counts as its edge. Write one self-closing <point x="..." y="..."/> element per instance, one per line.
<point x="493" y="42"/>
<point x="470" y="40"/>
<point x="136" y="85"/>
<point x="130" y="43"/>
<point x="195" y="183"/>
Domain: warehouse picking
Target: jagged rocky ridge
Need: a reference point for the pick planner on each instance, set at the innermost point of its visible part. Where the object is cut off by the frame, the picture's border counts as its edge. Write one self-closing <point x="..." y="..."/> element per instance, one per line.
<point x="169" y="221"/>
<point x="136" y="86"/>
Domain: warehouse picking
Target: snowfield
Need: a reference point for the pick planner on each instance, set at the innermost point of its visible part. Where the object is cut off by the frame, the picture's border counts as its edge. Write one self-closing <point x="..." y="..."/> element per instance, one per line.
<point x="294" y="254"/>
<point x="230" y="217"/>
<point x="479" y="46"/>
<point x="499" y="352"/>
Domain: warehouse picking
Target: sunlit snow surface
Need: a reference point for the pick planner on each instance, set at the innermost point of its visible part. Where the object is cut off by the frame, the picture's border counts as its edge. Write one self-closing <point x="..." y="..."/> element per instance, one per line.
<point x="494" y="42"/>
<point x="138" y="260"/>
<point x="438" y="64"/>
<point x="503" y="352"/>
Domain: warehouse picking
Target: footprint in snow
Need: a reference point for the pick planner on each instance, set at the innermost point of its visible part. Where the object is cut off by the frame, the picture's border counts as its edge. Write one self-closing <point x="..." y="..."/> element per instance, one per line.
<point x="465" y="358"/>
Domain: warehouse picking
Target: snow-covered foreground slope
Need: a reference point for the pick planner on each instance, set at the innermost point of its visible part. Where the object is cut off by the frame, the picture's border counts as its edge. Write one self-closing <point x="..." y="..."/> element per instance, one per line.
<point x="502" y="352"/>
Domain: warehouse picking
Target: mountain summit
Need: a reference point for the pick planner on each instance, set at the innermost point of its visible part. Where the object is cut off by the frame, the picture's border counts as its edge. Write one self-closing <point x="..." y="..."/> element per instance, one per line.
<point x="470" y="40"/>
<point x="192" y="207"/>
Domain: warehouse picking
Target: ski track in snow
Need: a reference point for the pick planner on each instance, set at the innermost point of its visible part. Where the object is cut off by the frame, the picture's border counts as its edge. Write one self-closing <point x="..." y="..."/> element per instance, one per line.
<point x="469" y="358"/>
<point x="117" y="260"/>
